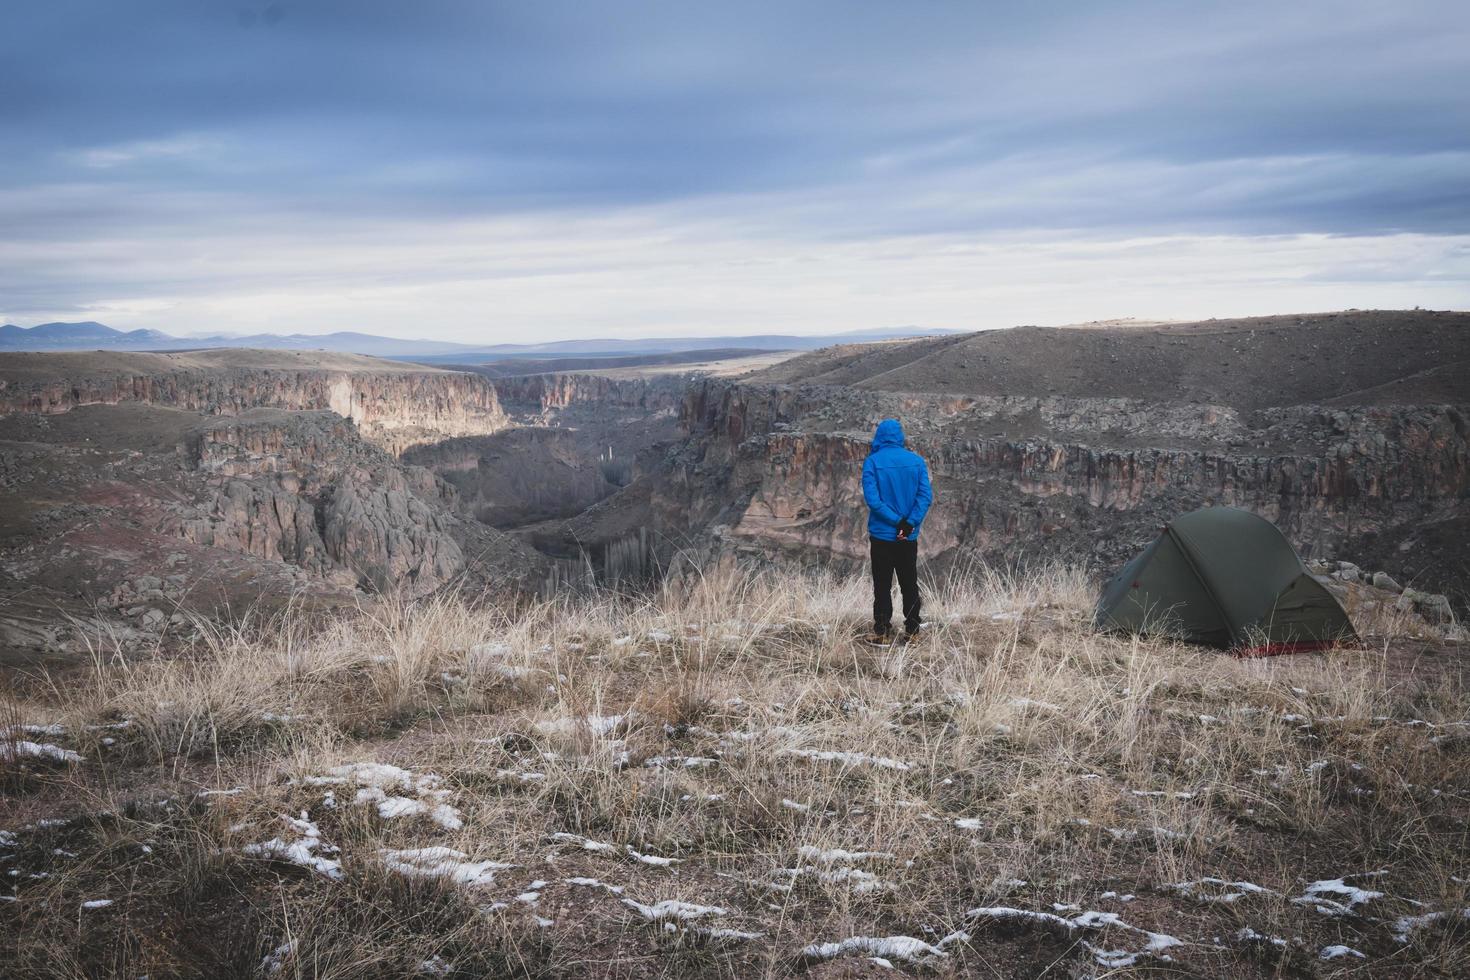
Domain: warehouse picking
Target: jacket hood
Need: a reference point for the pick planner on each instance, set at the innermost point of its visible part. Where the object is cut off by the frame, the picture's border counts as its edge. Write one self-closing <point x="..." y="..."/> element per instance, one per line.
<point x="888" y="433"/>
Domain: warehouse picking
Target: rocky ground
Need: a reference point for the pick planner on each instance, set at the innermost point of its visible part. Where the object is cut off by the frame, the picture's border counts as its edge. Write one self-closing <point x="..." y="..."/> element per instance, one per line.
<point x="716" y="780"/>
<point x="131" y="502"/>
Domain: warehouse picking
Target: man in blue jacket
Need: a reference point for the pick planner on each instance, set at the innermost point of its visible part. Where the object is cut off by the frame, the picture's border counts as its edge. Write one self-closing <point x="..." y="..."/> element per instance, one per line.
<point x="896" y="488"/>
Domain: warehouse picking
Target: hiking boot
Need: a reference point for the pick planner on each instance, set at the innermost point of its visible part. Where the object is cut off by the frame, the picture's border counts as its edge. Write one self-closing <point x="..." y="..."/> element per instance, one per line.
<point x="878" y="639"/>
<point x="912" y="638"/>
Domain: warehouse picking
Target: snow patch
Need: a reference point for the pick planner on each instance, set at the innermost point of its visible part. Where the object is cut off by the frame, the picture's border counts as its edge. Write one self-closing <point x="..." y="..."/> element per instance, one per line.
<point x="17" y="750"/>
<point x="1249" y="935"/>
<point x="1155" y="942"/>
<point x="594" y="883"/>
<point x="1335" y="952"/>
<point x="54" y="730"/>
<point x="1314" y="896"/>
<point x="653" y="859"/>
<point x="861" y="882"/>
<point x="673" y="910"/>
<point x="392" y="807"/>
<point x="1405" y="926"/>
<point x="376" y="781"/>
<point x="302" y="851"/>
<point x="436" y="966"/>
<point x="442" y="862"/>
<point x="838" y="855"/>
<point x="276" y="959"/>
<point x="905" y="948"/>
<point x="1219" y="890"/>
<point x="679" y="761"/>
<point x="587" y="844"/>
<point x="848" y="758"/>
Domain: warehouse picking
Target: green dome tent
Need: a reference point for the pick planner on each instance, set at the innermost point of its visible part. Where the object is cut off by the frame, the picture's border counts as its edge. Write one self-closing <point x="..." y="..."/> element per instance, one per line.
<point x="1225" y="578"/>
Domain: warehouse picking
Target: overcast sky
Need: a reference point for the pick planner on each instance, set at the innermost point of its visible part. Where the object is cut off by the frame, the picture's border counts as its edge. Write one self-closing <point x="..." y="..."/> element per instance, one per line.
<point x="508" y="170"/>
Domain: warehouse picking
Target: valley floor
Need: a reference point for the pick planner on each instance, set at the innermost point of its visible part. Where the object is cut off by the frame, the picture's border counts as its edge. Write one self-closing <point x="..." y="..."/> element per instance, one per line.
<point x="718" y="780"/>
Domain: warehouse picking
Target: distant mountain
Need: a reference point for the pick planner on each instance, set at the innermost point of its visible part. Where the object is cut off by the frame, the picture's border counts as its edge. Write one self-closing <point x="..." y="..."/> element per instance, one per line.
<point x="56" y="336"/>
<point x="90" y="335"/>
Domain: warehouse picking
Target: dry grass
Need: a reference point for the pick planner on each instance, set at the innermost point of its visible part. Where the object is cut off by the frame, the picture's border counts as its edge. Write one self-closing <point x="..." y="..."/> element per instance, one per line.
<point x="1014" y="759"/>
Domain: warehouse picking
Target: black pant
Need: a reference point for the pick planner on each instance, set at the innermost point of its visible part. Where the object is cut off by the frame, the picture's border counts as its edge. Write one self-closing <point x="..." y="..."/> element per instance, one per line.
<point x="889" y="557"/>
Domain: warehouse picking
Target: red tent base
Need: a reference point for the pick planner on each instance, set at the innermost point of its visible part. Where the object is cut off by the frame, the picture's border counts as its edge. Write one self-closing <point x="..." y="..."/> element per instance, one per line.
<point x="1277" y="649"/>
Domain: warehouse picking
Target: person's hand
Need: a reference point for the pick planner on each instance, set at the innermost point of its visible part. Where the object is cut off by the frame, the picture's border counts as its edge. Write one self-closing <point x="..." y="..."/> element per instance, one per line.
<point x="904" y="529"/>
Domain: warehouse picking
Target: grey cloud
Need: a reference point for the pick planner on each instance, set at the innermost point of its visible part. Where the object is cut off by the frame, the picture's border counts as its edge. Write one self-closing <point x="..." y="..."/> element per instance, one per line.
<point x="840" y="120"/>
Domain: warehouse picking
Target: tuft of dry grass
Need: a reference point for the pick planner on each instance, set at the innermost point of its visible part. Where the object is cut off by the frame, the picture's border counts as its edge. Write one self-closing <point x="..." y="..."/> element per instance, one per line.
<point x="1015" y="794"/>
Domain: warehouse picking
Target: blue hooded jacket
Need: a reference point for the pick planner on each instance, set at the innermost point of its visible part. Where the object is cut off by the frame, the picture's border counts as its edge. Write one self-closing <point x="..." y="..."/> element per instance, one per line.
<point x="895" y="484"/>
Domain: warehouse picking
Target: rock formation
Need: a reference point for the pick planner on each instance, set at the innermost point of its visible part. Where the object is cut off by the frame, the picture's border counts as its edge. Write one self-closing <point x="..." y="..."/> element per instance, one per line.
<point x="770" y="465"/>
<point x="548" y="393"/>
<point x="396" y="406"/>
<point x="158" y="513"/>
<point x="304" y="488"/>
<point x="1103" y="473"/>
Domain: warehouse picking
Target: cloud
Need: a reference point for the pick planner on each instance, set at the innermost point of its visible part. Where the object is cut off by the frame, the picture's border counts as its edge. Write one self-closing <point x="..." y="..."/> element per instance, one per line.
<point x="321" y="152"/>
<point x="646" y="272"/>
<point x="122" y="154"/>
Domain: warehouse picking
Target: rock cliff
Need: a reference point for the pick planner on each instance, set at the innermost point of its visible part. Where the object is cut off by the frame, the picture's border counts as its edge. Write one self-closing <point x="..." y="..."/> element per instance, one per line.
<point x="576" y="439"/>
<point x="772" y="472"/>
<point x="158" y="513"/>
<point x="395" y="406"/>
<point x="524" y="475"/>
<point x="1067" y="476"/>
<point x="304" y="488"/>
<point x="547" y="393"/>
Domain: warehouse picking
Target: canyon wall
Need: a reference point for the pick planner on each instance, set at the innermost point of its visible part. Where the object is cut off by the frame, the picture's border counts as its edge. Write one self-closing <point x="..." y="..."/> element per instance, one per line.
<point x="1074" y="478"/>
<point x="150" y="515"/>
<point x="305" y="489"/>
<point x="395" y="409"/>
<point x="524" y="475"/>
<point x="547" y="392"/>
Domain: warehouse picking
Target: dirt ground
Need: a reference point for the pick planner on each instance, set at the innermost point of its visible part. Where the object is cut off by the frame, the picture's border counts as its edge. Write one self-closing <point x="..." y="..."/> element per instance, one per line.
<point x="724" y="782"/>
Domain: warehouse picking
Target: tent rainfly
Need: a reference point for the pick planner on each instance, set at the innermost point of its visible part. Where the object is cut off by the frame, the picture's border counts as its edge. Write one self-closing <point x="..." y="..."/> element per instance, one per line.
<point x="1225" y="578"/>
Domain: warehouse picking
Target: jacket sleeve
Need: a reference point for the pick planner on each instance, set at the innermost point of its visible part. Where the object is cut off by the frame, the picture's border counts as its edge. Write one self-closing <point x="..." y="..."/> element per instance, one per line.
<point x="875" y="500"/>
<point x="925" y="496"/>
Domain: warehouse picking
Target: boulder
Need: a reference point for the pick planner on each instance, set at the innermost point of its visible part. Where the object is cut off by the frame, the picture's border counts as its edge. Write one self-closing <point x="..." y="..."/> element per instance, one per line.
<point x="1382" y="580"/>
<point x="1434" y="608"/>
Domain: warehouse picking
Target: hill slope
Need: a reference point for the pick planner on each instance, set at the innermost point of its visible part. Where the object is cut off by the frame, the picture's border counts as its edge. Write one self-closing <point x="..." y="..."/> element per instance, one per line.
<point x="1381" y="357"/>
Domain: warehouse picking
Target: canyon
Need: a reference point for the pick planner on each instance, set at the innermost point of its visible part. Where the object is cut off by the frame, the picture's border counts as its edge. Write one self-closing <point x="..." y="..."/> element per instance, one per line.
<point x="1346" y="430"/>
<point x="140" y="490"/>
